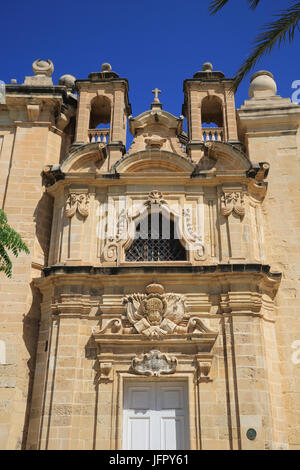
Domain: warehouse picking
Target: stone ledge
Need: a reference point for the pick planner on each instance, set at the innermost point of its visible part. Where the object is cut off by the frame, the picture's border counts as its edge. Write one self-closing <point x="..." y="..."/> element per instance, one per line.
<point x="204" y="269"/>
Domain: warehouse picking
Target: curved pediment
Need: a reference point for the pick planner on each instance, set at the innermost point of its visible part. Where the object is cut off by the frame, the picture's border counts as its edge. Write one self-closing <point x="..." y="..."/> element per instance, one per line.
<point x="223" y="157"/>
<point x="154" y="161"/>
<point x="87" y="159"/>
<point x="155" y="116"/>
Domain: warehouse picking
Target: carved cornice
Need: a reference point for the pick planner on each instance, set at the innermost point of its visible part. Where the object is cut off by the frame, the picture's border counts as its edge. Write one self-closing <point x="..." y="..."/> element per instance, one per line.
<point x="241" y="269"/>
<point x="74" y="305"/>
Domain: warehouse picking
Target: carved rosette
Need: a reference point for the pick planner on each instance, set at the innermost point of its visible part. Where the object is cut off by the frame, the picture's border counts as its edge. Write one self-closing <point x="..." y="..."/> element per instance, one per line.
<point x="77" y="202"/>
<point x="232" y="202"/>
<point x="154" y="363"/>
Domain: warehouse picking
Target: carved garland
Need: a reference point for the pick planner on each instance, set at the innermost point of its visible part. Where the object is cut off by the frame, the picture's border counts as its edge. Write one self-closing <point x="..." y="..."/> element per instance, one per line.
<point x="233" y="202"/>
<point x="77" y="202"/>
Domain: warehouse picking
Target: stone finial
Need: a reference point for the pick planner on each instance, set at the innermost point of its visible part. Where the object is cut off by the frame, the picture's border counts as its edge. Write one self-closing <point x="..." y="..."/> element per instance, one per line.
<point x="43" y="67"/>
<point x="105" y="74"/>
<point x="106" y="67"/>
<point x="262" y="85"/>
<point x="68" y="81"/>
<point x="207" y="67"/>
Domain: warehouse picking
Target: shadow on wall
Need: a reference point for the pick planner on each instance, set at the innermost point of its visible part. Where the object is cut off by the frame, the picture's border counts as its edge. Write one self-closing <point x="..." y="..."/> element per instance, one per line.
<point x="43" y="222"/>
<point x="31" y="323"/>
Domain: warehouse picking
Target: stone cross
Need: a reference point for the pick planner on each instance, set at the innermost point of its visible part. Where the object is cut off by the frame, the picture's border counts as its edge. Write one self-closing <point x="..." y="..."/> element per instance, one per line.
<point x="155" y="92"/>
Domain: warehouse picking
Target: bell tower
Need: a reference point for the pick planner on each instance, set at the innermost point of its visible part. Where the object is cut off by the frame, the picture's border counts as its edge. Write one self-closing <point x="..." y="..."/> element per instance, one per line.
<point x="102" y="111"/>
<point x="209" y="108"/>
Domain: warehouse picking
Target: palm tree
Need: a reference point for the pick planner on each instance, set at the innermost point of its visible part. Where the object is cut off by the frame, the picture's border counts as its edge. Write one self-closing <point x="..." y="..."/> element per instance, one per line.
<point x="276" y="32"/>
<point x="10" y="240"/>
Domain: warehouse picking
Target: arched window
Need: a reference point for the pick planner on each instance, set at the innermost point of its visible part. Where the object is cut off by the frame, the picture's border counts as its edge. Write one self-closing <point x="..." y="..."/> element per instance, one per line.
<point x="156" y="239"/>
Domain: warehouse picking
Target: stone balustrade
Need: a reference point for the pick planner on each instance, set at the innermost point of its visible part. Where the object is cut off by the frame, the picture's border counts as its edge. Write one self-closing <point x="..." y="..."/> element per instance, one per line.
<point x="213" y="134"/>
<point x="99" y="135"/>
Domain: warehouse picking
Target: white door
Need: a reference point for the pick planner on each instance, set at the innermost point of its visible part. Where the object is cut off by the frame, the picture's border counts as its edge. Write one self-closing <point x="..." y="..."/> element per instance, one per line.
<point x="155" y="416"/>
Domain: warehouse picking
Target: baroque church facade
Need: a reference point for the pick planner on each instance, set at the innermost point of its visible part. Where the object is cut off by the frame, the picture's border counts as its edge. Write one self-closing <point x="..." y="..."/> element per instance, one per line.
<point x="159" y="305"/>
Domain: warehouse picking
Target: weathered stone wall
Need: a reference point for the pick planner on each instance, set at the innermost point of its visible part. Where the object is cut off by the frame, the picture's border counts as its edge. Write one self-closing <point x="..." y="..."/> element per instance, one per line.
<point x="270" y="128"/>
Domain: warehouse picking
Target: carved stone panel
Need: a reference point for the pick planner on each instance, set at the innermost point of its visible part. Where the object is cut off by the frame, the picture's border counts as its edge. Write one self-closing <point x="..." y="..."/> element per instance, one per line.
<point x="157" y="314"/>
<point x="232" y="201"/>
<point x="77" y="202"/>
<point x="154" y="363"/>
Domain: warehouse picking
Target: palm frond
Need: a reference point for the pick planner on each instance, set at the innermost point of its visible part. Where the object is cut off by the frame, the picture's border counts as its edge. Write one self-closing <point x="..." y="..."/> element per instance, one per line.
<point x="276" y="32"/>
<point x="253" y="4"/>
<point x="216" y="5"/>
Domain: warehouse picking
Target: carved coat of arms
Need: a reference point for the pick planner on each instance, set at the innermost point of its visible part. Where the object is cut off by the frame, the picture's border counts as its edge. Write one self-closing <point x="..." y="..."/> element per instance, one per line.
<point x="156" y="313"/>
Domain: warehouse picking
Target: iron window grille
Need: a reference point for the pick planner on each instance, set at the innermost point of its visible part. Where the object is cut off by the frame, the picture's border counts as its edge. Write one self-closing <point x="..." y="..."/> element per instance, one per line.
<point x="156" y="239"/>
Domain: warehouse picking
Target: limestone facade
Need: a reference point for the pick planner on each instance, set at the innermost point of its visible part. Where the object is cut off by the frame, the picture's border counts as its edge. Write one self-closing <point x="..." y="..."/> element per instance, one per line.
<point x="99" y="303"/>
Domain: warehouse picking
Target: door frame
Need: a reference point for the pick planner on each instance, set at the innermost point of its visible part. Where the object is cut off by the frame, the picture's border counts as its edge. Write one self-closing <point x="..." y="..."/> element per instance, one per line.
<point x="192" y="410"/>
<point x="163" y="380"/>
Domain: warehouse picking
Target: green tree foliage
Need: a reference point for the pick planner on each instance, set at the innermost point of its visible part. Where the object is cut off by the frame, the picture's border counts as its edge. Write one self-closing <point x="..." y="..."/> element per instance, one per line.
<point x="281" y="29"/>
<point x="10" y="241"/>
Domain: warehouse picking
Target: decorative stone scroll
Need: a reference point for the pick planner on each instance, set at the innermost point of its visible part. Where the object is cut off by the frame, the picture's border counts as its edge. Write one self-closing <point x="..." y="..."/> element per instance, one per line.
<point x="232" y="201"/>
<point x="42" y="69"/>
<point x="195" y="239"/>
<point x="77" y="202"/>
<point x="154" y="363"/>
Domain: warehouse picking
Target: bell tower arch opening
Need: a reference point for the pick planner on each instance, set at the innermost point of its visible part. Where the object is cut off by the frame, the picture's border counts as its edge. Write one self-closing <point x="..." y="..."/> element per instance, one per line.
<point x="209" y="103"/>
<point x="100" y="119"/>
<point x="212" y="120"/>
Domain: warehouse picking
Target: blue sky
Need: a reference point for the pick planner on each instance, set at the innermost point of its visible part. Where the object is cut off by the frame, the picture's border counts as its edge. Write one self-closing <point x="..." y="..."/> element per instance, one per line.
<point x="152" y="43"/>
